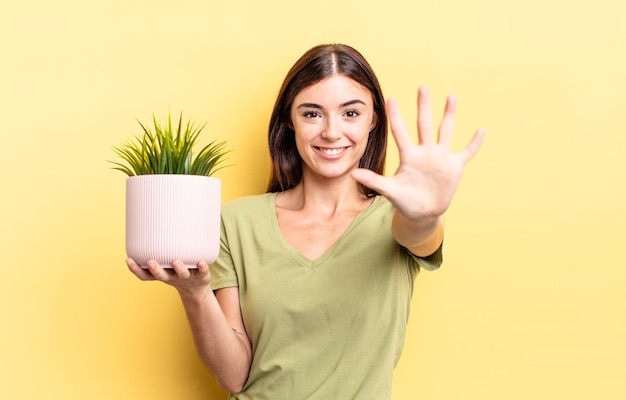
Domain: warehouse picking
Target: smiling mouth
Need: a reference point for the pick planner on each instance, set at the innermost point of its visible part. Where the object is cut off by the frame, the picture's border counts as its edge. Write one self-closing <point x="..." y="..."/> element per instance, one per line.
<point x="332" y="151"/>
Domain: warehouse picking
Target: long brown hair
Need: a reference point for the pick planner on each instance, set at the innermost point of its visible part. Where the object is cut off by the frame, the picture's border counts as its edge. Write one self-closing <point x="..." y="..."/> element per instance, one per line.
<point x="316" y="64"/>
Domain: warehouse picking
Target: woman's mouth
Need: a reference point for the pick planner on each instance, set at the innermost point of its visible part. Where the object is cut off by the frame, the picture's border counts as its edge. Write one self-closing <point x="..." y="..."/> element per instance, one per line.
<point x="332" y="151"/>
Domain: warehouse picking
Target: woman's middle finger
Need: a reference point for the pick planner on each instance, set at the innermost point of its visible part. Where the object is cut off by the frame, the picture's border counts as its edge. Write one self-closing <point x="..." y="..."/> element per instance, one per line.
<point x="424" y="117"/>
<point x="181" y="270"/>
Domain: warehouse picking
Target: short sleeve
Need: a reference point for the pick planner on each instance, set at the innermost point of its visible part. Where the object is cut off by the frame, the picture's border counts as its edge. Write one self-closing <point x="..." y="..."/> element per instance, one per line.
<point x="223" y="273"/>
<point x="431" y="262"/>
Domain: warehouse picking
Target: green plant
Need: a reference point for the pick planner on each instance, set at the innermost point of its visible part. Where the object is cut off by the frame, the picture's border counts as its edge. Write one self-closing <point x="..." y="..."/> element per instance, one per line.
<point x="168" y="149"/>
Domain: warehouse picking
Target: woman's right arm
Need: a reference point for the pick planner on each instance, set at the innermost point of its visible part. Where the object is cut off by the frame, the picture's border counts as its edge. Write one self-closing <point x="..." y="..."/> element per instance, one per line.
<point x="214" y="317"/>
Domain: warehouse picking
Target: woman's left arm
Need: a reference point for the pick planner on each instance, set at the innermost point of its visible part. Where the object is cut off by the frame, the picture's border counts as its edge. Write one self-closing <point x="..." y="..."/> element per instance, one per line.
<point x="422" y="188"/>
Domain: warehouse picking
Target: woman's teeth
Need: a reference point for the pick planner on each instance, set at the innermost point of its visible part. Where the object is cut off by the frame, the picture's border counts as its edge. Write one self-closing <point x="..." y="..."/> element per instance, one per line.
<point x="333" y="151"/>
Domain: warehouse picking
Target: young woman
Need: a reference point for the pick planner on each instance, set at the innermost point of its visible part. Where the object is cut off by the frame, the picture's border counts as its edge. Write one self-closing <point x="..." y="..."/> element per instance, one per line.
<point x="310" y="295"/>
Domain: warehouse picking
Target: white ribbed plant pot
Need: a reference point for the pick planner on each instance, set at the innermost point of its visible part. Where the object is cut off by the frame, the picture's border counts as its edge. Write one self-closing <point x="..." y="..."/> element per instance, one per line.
<point x="173" y="217"/>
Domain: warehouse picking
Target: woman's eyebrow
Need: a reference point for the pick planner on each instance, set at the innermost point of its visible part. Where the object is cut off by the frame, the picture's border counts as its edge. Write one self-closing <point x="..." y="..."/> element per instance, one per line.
<point x="351" y="102"/>
<point x="347" y="103"/>
<point x="310" y="105"/>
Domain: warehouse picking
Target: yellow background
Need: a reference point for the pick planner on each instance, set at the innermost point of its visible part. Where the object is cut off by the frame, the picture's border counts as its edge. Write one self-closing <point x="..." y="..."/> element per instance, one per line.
<point x="530" y="303"/>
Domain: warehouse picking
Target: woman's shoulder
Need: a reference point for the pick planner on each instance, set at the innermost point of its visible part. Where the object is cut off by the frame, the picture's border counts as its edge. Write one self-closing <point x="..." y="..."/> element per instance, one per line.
<point x="248" y="204"/>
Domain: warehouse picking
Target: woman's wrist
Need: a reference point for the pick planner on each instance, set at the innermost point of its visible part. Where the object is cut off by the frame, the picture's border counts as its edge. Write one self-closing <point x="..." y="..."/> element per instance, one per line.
<point x="195" y="295"/>
<point x="422" y="237"/>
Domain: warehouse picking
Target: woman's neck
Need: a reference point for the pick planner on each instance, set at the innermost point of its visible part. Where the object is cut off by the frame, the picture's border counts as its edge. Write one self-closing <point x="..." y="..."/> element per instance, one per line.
<point x="326" y="198"/>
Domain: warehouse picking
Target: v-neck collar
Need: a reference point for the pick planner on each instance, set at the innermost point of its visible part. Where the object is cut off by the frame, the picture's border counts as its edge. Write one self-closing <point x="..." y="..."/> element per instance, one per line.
<point x="301" y="258"/>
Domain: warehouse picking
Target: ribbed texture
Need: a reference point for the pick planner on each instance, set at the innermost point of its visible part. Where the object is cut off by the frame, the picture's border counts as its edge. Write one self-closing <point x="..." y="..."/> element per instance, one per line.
<point x="173" y="217"/>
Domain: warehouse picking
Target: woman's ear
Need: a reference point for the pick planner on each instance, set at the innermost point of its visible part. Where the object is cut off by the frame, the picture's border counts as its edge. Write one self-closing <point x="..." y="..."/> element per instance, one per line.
<point x="374" y="123"/>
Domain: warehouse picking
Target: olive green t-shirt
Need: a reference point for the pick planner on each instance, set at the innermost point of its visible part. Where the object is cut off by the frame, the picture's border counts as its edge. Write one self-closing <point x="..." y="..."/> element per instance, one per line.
<point x="327" y="329"/>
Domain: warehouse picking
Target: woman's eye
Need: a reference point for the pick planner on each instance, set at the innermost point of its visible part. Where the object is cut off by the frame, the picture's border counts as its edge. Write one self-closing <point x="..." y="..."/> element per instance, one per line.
<point x="311" y="114"/>
<point x="352" y="113"/>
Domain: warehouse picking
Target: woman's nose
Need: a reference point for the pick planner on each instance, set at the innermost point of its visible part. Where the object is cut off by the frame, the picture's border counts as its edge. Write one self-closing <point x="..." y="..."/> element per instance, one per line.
<point x="331" y="130"/>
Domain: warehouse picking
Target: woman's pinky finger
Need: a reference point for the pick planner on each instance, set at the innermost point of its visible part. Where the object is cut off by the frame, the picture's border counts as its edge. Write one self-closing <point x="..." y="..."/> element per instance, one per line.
<point x="139" y="272"/>
<point x="472" y="148"/>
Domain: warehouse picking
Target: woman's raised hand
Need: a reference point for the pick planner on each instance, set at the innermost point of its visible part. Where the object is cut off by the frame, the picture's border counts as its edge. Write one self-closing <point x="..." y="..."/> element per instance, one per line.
<point x="429" y="173"/>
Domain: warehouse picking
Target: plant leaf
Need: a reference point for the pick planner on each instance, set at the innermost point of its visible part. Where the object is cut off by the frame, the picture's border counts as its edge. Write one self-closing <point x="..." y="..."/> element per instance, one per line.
<point x="168" y="149"/>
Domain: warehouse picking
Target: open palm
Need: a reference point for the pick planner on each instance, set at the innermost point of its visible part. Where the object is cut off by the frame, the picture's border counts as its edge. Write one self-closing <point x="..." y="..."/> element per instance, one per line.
<point x="429" y="173"/>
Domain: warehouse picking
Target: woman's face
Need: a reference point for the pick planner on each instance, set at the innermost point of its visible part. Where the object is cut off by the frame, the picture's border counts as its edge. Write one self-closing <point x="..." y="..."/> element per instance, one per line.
<point x="332" y="120"/>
